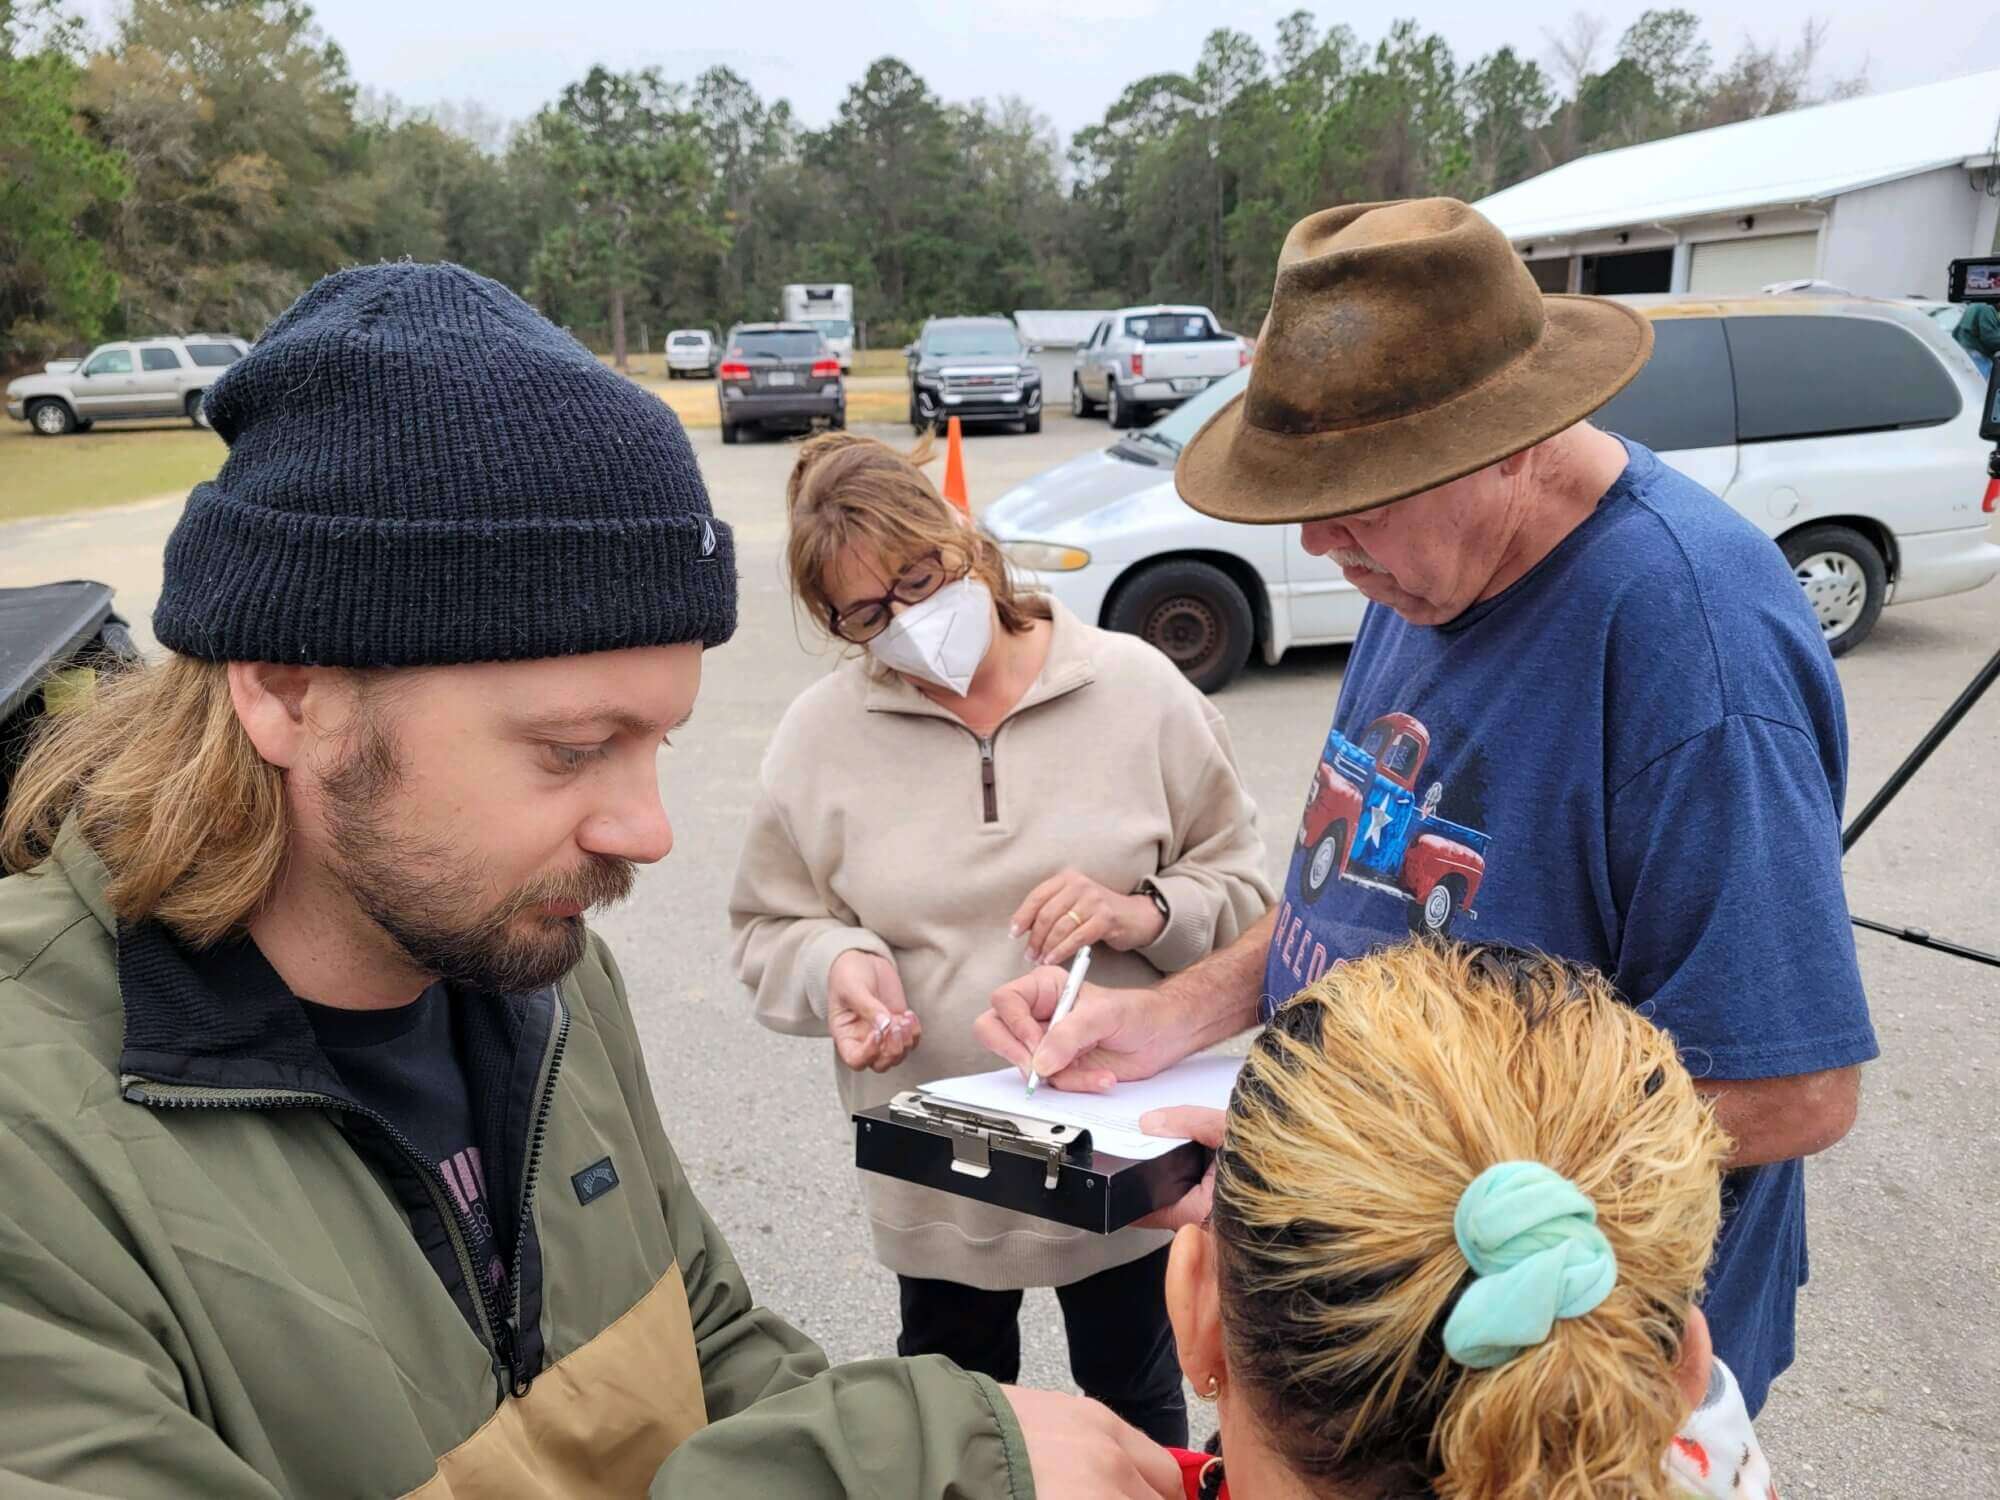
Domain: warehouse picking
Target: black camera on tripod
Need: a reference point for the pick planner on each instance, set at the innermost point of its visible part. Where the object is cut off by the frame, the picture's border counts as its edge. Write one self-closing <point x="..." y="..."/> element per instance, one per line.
<point x="1978" y="280"/>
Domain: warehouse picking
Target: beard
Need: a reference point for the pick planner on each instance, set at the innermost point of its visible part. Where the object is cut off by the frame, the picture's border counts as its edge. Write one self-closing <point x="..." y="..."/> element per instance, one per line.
<point x="422" y="893"/>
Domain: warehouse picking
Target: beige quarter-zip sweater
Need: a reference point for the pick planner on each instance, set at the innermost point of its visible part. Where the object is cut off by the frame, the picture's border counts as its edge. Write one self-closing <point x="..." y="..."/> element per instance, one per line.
<point x="883" y="823"/>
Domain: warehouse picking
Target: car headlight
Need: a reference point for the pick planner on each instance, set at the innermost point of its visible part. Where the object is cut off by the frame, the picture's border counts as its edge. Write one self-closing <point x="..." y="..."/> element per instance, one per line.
<point x="1046" y="557"/>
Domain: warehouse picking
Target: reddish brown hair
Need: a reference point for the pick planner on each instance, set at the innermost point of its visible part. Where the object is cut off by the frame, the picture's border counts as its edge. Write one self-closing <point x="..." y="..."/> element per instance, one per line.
<point x="848" y="490"/>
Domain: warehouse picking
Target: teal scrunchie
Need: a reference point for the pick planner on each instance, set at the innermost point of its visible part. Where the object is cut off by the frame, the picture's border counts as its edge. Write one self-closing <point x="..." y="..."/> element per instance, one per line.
<point x="1532" y="1237"/>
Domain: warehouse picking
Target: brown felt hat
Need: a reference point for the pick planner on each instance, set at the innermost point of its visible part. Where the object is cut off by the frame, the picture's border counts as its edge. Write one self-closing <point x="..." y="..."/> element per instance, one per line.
<point x="1407" y="346"/>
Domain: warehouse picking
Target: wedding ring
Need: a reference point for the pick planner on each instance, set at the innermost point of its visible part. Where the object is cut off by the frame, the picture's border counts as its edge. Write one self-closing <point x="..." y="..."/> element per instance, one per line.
<point x="1074" y="917"/>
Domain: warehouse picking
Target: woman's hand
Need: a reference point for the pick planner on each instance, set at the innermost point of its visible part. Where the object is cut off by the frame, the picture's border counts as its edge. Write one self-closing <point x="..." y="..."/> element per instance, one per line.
<point x="1068" y="910"/>
<point x="872" y="1024"/>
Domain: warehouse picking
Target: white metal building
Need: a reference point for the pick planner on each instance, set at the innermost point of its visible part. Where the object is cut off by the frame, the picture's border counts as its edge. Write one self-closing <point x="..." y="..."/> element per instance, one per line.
<point x="1050" y="328"/>
<point x="1874" y="195"/>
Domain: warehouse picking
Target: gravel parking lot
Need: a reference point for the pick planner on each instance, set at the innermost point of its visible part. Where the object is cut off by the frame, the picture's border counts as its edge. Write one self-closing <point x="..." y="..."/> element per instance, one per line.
<point x="1897" y="1390"/>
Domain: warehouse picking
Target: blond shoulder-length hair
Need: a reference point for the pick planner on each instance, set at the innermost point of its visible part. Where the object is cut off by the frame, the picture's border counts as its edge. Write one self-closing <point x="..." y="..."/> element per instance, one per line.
<point x="1365" y="1109"/>
<point x="846" y="489"/>
<point x="164" y="784"/>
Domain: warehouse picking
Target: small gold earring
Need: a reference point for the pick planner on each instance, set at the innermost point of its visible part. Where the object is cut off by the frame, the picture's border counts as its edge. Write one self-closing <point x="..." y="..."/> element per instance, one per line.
<point x="1214" y="1389"/>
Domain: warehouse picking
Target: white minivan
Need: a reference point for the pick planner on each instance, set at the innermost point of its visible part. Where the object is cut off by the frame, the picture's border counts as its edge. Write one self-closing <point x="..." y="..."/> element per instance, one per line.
<point x="1846" y="429"/>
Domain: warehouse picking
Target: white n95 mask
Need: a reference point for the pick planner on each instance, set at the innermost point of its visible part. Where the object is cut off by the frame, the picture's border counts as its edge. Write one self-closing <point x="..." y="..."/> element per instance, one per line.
<point x="942" y="640"/>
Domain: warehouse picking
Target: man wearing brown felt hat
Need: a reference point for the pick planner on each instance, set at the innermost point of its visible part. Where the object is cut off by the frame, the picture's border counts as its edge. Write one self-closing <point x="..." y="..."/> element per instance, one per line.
<point x="1588" y="712"/>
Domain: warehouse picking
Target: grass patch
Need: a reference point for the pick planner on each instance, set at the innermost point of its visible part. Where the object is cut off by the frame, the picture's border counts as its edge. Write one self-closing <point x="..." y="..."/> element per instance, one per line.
<point x="697" y="405"/>
<point x="116" y="463"/>
<point x="109" y="465"/>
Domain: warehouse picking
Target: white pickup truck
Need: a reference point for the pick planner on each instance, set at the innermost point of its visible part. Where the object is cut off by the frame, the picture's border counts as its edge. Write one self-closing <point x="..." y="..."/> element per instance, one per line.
<point x="1141" y="360"/>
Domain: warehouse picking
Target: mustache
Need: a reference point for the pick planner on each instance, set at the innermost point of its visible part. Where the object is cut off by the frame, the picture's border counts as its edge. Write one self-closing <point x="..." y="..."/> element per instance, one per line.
<point x="600" y="881"/>
<point x="1355" y="559"/>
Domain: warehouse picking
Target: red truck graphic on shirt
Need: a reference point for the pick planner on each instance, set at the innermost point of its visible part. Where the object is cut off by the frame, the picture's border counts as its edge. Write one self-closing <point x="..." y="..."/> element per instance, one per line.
<point x="1364" y="824"/>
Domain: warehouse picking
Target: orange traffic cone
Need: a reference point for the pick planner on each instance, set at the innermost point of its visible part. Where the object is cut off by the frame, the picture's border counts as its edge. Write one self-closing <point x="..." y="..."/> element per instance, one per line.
<point x="954" y="467"/>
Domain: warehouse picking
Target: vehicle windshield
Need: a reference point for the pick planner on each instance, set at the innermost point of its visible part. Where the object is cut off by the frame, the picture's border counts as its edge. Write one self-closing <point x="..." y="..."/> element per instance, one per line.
<point x="834" y="328"/>
<point x="1170" y="328"/>
<point x="1174" y="429"/>
<point x="951" y="343"/>
<point x="778" y="344"/>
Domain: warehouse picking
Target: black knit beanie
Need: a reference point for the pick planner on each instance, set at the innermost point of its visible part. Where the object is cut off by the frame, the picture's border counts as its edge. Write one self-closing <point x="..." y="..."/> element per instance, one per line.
<point x="422" y="470"/>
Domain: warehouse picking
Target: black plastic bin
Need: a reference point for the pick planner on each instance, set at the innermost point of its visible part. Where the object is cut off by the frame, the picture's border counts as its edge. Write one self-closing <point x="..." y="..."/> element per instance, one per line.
<point x="44" y="630"/>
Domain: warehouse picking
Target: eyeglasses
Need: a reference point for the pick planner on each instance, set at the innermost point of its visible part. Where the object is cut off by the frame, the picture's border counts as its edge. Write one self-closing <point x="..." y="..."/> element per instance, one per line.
<point x="865" y="619"/>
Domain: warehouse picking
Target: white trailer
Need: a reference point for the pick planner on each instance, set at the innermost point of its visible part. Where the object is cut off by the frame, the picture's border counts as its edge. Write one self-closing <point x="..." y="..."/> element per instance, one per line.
<point x="829" y="307"/>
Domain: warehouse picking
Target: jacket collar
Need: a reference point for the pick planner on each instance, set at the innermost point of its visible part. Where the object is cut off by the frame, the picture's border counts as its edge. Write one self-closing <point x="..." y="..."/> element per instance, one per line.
<point x="1069" y="666"/>
<point x="84" y="871"/>
<point x="180" y="1029"/>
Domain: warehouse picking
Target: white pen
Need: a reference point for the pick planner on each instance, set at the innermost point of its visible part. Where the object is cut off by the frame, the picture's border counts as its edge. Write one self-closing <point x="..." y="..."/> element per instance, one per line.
<point x="1077" y="968"/>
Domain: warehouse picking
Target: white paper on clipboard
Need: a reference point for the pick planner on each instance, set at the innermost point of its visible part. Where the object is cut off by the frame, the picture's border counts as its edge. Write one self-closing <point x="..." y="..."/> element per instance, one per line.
<point x="1112" y="1118"/>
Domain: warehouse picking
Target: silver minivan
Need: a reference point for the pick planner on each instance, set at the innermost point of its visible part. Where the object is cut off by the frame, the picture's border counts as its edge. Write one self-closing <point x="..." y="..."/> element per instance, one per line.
<point x="134" y="380"/>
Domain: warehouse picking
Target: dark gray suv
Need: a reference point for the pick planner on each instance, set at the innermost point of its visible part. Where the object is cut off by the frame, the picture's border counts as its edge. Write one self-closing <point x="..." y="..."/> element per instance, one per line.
<point x="975" y="369"/>
<point x="779" y="375"/>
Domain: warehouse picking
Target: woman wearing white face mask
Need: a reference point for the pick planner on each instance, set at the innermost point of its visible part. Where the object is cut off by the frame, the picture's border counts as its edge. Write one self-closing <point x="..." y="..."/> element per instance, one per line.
<point x="985" y="778"/>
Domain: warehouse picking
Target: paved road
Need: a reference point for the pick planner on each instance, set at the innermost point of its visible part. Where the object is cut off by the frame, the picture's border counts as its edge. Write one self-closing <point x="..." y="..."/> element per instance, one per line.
<point x="1900" y="1372"/>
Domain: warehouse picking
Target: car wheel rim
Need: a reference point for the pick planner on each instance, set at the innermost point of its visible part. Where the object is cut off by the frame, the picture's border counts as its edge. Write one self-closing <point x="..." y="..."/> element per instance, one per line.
<point x="1075" y="400"/>
<point x="1188" y="630"/>
<point x="49" y="420"/>
<point x="1437" y="907"/>
<point x="1837" y="590"/>
<point x="1322" y="865"/>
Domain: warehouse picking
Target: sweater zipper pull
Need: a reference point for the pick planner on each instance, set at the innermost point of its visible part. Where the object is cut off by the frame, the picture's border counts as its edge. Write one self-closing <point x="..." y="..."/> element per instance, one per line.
<point x="986" y="785"/>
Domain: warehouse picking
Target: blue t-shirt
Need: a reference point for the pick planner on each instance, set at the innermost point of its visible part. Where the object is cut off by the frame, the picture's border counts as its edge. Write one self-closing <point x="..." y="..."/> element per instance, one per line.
<point x="1635" y="757"/>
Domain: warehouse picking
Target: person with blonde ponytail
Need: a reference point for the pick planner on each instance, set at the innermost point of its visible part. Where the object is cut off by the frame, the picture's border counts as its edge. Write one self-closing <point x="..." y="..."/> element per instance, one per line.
<point x="982" y="782"/>
<point x="1463" y="1201"/>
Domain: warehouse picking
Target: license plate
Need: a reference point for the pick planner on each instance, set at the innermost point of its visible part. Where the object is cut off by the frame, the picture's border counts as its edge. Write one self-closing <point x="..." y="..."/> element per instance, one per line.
<point x="781" y="377"/>
<point x="1192" y="383"/>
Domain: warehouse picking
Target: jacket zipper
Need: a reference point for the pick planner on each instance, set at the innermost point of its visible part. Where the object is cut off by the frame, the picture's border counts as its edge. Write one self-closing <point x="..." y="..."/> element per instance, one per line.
<point x="551" y="1065"/>
<point x="494" y="1330"/>
<point x="986" y="786"/>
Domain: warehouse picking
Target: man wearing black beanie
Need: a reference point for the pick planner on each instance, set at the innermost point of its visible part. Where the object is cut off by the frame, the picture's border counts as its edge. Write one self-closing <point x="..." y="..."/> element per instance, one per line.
<point x="329" y="1164"/>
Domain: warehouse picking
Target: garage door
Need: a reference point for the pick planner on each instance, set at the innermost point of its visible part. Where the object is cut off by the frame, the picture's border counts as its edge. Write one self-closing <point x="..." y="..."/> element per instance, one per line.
<point x="1725" y="266"/>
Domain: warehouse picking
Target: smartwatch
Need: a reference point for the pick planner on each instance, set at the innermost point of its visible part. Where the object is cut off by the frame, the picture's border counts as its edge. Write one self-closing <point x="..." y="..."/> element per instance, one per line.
<point x="1152" y="892"/>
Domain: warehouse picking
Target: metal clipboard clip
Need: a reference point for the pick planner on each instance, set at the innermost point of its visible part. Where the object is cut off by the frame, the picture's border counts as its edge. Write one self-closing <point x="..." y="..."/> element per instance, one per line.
<point x="976" y="1133"/>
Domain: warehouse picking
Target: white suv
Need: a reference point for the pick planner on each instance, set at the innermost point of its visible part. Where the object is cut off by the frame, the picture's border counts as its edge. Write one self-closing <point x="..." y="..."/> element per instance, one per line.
<point x="135" y="380"/>
<point x="1846" y="429"/>
<point x="691" y="352"/>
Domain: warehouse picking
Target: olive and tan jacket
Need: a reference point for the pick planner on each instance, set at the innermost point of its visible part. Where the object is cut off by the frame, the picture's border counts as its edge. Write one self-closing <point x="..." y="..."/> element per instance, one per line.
<point x="883" y="823"/>
<point x="211" y="1282"/>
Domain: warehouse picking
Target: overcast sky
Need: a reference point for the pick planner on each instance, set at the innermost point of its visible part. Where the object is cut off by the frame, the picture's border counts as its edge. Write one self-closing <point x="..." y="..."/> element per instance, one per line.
<point x="1070" y="58"/>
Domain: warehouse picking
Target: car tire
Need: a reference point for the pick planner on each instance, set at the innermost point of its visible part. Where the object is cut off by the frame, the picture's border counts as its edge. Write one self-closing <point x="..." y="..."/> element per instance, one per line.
<point x="196" y="412"/>
<point x="51" y="418"/>
<point x="1845" y="581"/>
<point x="1032" y="423"/>
<point x="1193" y="613"/>
<point x="1080" y="405"/>
<point x="1323" y="863"/>
<point x="1117" y="413"/>
<point x="1434" y="915"/>
<point x="838" y="422"/>
<point x="729" y="434"/>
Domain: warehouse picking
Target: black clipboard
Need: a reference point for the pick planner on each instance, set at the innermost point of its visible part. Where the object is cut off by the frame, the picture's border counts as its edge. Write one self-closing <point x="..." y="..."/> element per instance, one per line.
<point x="1030" y="1166"/>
